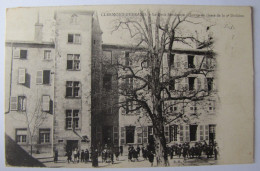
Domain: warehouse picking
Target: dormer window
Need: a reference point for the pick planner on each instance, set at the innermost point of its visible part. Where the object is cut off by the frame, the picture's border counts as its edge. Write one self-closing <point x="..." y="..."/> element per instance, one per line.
<point x="74" y="19"/>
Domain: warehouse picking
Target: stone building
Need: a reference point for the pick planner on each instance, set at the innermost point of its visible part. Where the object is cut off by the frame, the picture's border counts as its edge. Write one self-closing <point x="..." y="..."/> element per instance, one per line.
<point x="66" y="94"/>
<point x="30" y="81"/>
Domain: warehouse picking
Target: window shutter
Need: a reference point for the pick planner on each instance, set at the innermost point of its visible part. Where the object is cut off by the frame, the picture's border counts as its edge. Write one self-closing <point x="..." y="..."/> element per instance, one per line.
<point x="205" y="84"/>
<point x="206" y="132"/>
<point x="198" y="83"/>
<point x="17" y="53"/>
<point x="139" y="134"/>
<point x="46" y="103"/>
<point x="201" y="132"/>
<point x="39" y="77"/>
<point x="122" y="135"/>
<point x="181" y="133"/>
<point x="187" y="133"/>
<point x="13" y="104"/>
<point x="166" y="133"/>
<point x="145" y="134"/>
<point x="21" y="76"/>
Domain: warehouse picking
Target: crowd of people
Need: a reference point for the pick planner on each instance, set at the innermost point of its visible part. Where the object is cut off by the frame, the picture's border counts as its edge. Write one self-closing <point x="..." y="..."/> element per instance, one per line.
<point x="184" y="150"/>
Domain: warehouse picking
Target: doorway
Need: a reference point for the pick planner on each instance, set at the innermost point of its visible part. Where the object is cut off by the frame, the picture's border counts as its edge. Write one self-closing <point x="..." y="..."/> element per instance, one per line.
<point x="130" y="134"/>
<point x="71" y="145"/>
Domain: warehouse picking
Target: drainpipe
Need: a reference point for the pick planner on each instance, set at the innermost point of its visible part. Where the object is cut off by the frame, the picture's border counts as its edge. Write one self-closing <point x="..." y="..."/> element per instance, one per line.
<point x="11" y="74"/>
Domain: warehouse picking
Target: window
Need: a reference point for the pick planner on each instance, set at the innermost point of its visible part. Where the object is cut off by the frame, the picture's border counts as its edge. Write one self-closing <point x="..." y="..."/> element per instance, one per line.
<point x="46" y="103"/>
<point x="173" y="132"/>
<point x="21" y="135"/>
<point x="18" y="103"/>
<point x="74" y="38"/>
<point x="191" y="61"/>
<point x="172" y="84"/>
<point x="129" y="106"/>
<point x="72" y="89"/>
<point x="21" y="76"/>
<point x="72" y="119"/>
<point x="47" y="55"/>
<point x="107" y="57"/>
<point x="74" y="19"/>
<point x="44" y="136"/>
<point x="212" y="133"/>
<point x="171" y="60"/>
<point x="43" y="77"/>
<point x="73" y="62"/>
<point x="130" y="134"/>
<point x="107" y="82"/>
<point x="191" y="83"/>
<point x="129" y="83"/>
<point x="210" y="84"/>
<point x="22" y="54"/>
<point x="193" y="132"/>
<point x="128" y="60"/>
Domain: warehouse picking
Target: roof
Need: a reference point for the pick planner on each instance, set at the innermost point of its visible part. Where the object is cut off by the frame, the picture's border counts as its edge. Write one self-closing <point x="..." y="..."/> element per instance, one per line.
<point x="176" y="50"/>
<point x="29" y="43"/>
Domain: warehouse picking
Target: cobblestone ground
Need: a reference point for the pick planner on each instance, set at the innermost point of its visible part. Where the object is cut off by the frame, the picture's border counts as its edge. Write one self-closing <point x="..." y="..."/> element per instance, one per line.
<point x="124" y="163"/>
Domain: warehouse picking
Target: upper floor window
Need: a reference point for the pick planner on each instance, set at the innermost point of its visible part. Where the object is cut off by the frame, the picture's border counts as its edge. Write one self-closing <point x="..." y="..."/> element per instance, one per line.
<point x="21" y="76"/>
<point x="72" y="89"/>
<point x="18" y="103"/>
<point x="46" y="103"/>
<point x="74" y="38"/>
<point x="210" y="84"/>
<point x="73" y="62"/>
<point x="191" y="61"/>
<point x="128" y="60"/>
<point x="74" y="19"/>
<point x="20" y="53"/>
<point x="47" y="55"/>
<point x="72" y="119"/>
<point x="171" y="60"/>
<point x="191" y="83"/>
<point x="172" y="84"/>
<point x="44" y="136"/>
<point x="21" y="135"/>
<point x="43" y="77"/>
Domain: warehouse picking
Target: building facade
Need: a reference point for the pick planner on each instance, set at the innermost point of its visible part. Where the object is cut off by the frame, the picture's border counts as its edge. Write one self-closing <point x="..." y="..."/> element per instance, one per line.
<point x="66" y="94"/>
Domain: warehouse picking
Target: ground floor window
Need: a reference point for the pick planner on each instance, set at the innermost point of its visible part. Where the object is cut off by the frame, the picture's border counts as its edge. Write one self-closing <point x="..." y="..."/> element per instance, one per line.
<point x="173" y="132"/>
<point x="21" y="135"/>
<point x="193" y="132"/>
<point x="44" y="136"/>
<point x="212" y="133"/>
<point x="130" y="134"/>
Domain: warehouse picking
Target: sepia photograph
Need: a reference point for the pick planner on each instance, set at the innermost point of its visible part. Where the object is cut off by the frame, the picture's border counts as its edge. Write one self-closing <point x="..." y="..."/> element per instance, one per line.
<point x="128" y="86"/>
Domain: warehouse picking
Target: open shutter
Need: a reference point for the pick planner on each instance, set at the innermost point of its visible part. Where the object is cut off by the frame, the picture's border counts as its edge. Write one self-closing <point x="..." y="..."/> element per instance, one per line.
<point x="17" y="53"/>
<point x="21" y="76"/>
<point x="46" y="103"/>
<point x="13" y="104"/>
<point x="139" y="132"/>
<point x="198" y="83"/>
<point x="166" y="133"/>
<point x="181" y="133"/>
<point x="206" y="132"/>
<point x="122" y="135"/>
<point x="205" y="84"/>
<point x="39" y="77"/>
<point x="201" y="132"/>
<point x="145" y="134"/>
<point x="187" y="133"/>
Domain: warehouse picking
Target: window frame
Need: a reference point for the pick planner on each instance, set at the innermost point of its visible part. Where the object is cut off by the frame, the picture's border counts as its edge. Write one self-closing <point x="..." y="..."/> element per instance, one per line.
<point x="72" y="119"/>
<point x="20" y="137"/>
<point x="74" y="60"/>
<point x="49" y="57"/>
<point x="21" y="107"/>
<point x="73" y="87"/>
<point x="74" y="35"/>
<point x="45" y="131"/>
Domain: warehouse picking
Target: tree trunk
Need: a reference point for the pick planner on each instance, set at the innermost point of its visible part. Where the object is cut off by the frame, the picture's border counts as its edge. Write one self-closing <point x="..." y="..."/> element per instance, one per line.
<point x="160" y="148"/>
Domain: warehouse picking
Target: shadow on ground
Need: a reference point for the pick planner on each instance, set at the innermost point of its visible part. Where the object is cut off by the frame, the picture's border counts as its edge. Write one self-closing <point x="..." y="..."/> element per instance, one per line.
<point x="16" y="156"/>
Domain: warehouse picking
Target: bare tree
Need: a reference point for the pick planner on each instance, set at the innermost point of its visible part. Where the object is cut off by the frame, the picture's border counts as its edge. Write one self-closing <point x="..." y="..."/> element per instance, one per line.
<point x="145" y="83"/>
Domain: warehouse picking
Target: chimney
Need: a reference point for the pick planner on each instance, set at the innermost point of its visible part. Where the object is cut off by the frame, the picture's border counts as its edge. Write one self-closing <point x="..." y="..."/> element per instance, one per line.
<point x="38" y="31"/>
